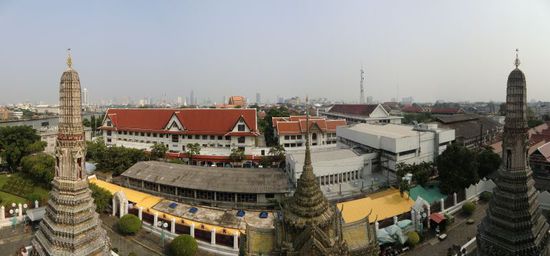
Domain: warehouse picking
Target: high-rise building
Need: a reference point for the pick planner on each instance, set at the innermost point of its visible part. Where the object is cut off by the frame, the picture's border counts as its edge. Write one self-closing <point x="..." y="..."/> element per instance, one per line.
<point x="84" y="97"/>
<point x="258" y="98"/>
<point x="514" y="224"/>
<point x="192" y="98"/>
<point x="361" y="87"/>
<point x="70" y="225"/>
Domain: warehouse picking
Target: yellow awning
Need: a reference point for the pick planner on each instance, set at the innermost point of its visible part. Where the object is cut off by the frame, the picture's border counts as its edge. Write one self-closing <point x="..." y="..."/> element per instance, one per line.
<point x="147" y="201"/>
<point x="385" y="204"/>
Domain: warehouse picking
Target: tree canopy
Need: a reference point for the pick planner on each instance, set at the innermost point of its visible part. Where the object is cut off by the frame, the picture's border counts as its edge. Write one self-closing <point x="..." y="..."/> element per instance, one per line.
<point x="129" y="224"/>
<point x="191" y="150"/>
<point x="266" y="124"/>
<point x="183" y="245"/>
<point x="17" y="142"/>
<point x="158" y="150"/>
<point x="102" y="197"/>
<point x="458" y="168"/>
<point x="39" y="167"/>
<point x="115" y="159"/>
<point x="237" y="155"/>
<point x="488" y="162"/>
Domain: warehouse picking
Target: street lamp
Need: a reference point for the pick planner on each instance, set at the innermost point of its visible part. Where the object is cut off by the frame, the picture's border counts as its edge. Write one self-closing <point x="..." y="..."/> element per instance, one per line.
<point x="162" y="225"/>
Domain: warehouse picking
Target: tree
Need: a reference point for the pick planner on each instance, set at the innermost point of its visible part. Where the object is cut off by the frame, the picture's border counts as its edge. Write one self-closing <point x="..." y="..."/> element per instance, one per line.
<point x="102" y="197"/>
<point x="413" y="238"/>
<point x="468" y="207"/>
<point x="39" y="167"/>
<point x="488" y="162"/>
<point x="266" y="124"/>
<point x="457" y="168"/>
<point x="277" y="153"/>
<point x="191" y="150"/>
<point x="237" y="155"/>
<point x="115" y="159"/>
<point x="129" y="224"/>
<point x="86" y="122"/>
<point x="17" y="142"/>
<point x="95" y="150"/>
<point x="158" y="150"/>
<point x="403" y="186"/>
<point x="183" y="245"/>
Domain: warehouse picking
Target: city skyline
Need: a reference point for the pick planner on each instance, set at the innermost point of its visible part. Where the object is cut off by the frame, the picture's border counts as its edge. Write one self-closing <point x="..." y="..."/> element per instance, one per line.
<point x="448" y="51"/>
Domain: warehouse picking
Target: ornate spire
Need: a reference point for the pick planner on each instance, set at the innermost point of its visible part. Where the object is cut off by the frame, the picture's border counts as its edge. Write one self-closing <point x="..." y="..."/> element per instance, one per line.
<point x="69" y="59"/>
<point x="517" y="62"/>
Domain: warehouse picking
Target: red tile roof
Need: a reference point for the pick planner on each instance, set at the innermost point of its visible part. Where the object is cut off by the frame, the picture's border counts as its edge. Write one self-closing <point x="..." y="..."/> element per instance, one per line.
<point x="294" y="125"/>
<point x="354" y="109"/>
<point x="194" y="121"/>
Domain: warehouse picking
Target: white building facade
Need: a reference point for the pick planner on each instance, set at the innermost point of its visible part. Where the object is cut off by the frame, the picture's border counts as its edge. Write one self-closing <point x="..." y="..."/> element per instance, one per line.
<point x="398" y="143"/>
<point x="291" y="131"/>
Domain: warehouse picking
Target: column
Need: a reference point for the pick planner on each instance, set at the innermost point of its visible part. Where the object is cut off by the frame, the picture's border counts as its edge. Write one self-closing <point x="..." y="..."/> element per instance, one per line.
<point x="20" y="207"/>
<point x="173" y="226"/>
<point x="2" y="213"/>
<point x="442" y="202"/>
<point x="155" y="219"/>
<point x="140" y="213"/>
<point x="429" y="213"/>
<point x="395" y="219"/>
<point x="236" y="240"/>
<point x="213" y="236"/>
<point x="35" y="203"/>
<point x="192" y="230"/>
<point x="114" y="207"/>
<point x="377" y="225"/>
<point x="455" y="199"/>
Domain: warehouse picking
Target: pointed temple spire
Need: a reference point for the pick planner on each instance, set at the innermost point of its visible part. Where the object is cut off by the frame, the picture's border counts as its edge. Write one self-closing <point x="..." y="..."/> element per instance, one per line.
<point x="517" y="62"/>
<point x="514" y="224"/>
<point x="69" y="59"/>
<point x="70" y="225"/>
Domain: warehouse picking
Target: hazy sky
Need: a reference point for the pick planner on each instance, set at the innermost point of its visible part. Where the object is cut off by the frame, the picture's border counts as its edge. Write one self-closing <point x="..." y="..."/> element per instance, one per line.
<point x="451" y="50"/>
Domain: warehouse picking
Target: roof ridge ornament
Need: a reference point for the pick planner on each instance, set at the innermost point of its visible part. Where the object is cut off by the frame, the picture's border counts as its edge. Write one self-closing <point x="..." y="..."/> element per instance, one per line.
<point x="69" y="59"/>
<point x="517" y="62"/>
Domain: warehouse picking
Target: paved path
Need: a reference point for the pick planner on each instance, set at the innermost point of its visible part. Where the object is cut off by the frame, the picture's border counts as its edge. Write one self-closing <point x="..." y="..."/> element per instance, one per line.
<point x="13" y="239"/>
<point x="459" y="233"/>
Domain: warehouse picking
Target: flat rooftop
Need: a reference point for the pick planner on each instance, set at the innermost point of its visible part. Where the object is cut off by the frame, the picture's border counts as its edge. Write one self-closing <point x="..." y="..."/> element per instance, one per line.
<point x="387" y="130"/>
<point x="325" y="154"/>
<point x="384" y="204"/>
<point x="218" y="179"/>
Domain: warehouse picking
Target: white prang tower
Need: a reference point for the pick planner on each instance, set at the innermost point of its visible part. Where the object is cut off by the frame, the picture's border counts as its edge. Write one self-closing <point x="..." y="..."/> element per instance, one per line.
<point x="361" y="84"/>
<point x="70" y="226"/>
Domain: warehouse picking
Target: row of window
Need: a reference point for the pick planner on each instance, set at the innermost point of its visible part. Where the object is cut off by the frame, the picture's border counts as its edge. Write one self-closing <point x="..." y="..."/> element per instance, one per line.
<point x="339" y="177"/>
<point x="314" y="136"/>
<point x="200" y="194"/>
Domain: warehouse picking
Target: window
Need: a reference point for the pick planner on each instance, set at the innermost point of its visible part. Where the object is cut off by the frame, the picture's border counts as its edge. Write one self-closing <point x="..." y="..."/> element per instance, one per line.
<point x="225" y="197"/>
<point x="154" y="135"/>
<point x="220" y="137"/>
<point x="204" y="137"/>
<point x="508" y="158"/>
<point x="131" y="133"/>
<point x="142" y="134"/>
<point x="186" y="192"/>
<point x="201" y="194"/>
<point x="263" y="152"/>
<point x="197" y="137"/>
<point x="189" y="137"/>
<point x="125" y="132"/>
<point x="240" y="127"/>
<point x="109" y="123"/>
<point x="148" y="134"/>
<point x="212" y="137"/>
<point x="269" y="195"/>
<point x="299" y="137"/>
<point x="287" y="137"/>
<point x="108" y="133"/>
<point x="227" y="137"/>
<point x="247" y="198"/>
<point x="109" y="140"/>
<point x="175" y="138"/>
<point x="293" y="137"/>
<point x="241" y="139"/>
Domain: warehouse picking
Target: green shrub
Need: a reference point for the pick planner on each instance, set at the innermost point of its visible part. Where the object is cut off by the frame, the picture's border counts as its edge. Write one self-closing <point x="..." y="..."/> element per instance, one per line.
<point x="468" y="207"/>
<point x="486" y="196"/>
<point x="129" y="224"/>
<point x="183" y="245"/>
<point x="413" y="238"/>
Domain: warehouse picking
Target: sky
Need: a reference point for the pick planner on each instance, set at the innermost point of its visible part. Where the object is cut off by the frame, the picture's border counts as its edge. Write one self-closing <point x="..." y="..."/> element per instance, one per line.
<point x="430" y="50"/>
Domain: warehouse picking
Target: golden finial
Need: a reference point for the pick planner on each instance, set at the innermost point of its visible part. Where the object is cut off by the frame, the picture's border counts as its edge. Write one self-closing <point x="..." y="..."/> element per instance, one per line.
<point x="69" y="59"/>
<point x="517" y="62"/>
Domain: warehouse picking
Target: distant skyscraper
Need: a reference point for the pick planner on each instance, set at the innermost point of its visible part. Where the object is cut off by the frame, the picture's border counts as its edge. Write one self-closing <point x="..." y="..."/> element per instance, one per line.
<point x="192" y="98"/>
<point x="84" y="97"/>
<point x="361" y="85"/>
<point x="514" y="224"/>
<point x="179" y="101"/>
<point x="258" y="98"/>
<point x="370" y="100"/>
<point x="70" y="225"/>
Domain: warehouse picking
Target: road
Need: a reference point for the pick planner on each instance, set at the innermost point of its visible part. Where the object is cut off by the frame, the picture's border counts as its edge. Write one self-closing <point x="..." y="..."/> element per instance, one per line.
<point x="458" y="233"/>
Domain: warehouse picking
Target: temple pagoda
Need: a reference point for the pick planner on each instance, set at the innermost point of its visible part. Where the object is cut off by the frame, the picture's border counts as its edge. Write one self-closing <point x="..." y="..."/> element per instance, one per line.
<point x="514" y="224"/>
<point x="71" y="225"/>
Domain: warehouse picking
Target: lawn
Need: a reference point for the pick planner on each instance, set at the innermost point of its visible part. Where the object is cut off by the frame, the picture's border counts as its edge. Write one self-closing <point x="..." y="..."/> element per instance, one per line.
<point x="17" y="188"/>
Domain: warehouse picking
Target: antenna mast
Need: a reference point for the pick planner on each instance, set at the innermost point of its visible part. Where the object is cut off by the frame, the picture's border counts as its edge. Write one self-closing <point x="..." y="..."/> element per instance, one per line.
<point x="362" y="96"/>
